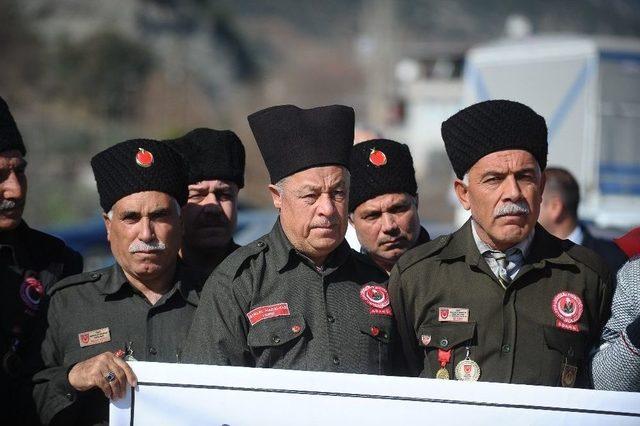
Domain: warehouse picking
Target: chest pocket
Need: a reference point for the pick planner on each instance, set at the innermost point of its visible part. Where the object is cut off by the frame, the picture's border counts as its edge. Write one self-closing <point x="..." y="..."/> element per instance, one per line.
<point x="377" y="330"/>
<point x="277" y="342"/>
<point x="571" y="345"/>
<point x="447" y="336"/>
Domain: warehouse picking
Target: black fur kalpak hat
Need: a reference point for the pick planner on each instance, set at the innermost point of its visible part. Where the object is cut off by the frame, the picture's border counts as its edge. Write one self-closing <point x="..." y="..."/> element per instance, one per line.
<point x="292" y="139"/>
<point x="10" y="137"/>
<point x="212" y="154"/>
<point x="139" y="165"/>
<point x="380" y="166"/>
<point x="492" y="126"/>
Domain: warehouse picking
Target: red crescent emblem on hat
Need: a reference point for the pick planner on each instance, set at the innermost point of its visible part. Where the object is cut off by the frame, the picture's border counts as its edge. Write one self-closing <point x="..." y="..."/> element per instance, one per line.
<point x="377" y="158"/>
<point x="567" y="307"/>
<point x="375" y="296"/>
<point x="144" y="158"/>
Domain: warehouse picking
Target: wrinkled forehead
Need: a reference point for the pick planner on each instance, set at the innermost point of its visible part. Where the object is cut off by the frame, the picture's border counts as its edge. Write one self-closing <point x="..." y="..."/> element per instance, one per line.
<point x="146" y="201"/>
<point x="505" y="162"/>
<point x="213" y="184"/>
<point x="318" y="177"/>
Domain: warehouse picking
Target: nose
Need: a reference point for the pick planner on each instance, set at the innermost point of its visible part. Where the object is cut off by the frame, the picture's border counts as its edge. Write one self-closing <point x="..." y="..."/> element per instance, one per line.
<point x="389" y="224"/>
<point x="146" y="233"/>
<point x="211" y="203"/>
<point x="12" y="188"/>
<point x="326" y="206"/>
<point x="512" y="190"/>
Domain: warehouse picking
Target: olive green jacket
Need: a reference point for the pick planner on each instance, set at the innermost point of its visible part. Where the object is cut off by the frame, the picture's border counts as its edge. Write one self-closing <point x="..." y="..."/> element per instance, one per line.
<point x="512" y="334"/>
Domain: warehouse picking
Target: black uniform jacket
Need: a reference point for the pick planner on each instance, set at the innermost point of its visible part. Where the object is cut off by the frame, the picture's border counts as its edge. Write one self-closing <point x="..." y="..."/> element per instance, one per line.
<point x="267" y="305"/>
<point x="514" y="335"/>
<point x="30" y="262"/>
<point x="100" y="311"/>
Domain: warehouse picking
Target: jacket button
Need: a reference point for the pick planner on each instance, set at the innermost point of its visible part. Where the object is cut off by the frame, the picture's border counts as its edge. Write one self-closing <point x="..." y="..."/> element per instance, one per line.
<point x="506" y="349"/>
<point x="95" y="276"/>
<point x="275" y="339"/>
<point x="153" y="350"/>
<point x="69" y="396"/>
<point x="331" y="319"/>
<point x="336" y="360"/>
<point x="444" y="342"/>
<point x="260" y="244"/>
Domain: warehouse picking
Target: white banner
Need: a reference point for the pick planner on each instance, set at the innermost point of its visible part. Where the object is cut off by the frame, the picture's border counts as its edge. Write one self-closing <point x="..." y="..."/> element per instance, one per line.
<point x="182" y="394"/>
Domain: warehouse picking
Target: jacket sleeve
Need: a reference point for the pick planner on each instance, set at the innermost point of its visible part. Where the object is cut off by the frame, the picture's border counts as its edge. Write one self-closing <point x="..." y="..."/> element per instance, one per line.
<point x="616" y="363"/>
<point x="405" y="355"/>
<point x="218" y="333"/>
<point x="53" y="394"/>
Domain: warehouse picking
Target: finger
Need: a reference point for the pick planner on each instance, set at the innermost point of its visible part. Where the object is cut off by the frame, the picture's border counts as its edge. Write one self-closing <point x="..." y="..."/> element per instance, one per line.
<point x="102" y="383"/>
<point x="119" y="384"/>
<point x="131" y="376"/>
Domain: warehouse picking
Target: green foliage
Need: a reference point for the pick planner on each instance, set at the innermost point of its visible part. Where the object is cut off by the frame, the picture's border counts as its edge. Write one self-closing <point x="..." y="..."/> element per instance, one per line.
<point x="105" y="72"/>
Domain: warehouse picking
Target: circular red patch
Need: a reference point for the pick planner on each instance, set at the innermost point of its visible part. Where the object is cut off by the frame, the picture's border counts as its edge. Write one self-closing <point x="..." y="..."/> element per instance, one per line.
<point x="377" y="158"/>
<point x="375" y="295"/>
<point x="567" y="307"/>
<point x="31" y="293"/>
<point x="144" y="158"/>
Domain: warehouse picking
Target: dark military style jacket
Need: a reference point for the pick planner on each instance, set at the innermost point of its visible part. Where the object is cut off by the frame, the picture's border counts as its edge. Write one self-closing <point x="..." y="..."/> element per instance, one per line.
<point x="446" y="298"/>
<point x="100" y="311"/>
<point x="267" y="305"/>
<point x="30" y="262"/>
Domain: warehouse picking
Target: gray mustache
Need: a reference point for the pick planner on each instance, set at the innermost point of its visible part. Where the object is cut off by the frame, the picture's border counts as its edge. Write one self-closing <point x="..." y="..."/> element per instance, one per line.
<point x="7" y="205"/>
<point x="138" y="246"/>
<point x="520" y="207"/>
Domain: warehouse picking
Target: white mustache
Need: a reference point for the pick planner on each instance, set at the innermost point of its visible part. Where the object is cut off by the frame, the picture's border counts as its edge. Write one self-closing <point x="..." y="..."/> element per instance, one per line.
<point x="519" y="207"/>
<point x="138" y="246"/>
<point x="324" y="223"/>
<point x="7" y="205"/>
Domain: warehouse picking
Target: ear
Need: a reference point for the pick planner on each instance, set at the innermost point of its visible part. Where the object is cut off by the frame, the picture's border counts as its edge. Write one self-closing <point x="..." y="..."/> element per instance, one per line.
<point x="462" y="192"/>
<point x="351" y="218"/>
<point x="275" y="196"/>
<point x="107" y="225"/>
<point x="417" y="199"/>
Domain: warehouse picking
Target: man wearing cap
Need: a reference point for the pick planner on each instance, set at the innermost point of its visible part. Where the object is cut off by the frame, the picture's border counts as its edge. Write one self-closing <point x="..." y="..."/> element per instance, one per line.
<point x="215" y="159"/>
<point x="30" y="262"/>
<point x="383" y="201"/>
<point x="299" y="297"/>
<point x="501" y="299"/>
<point x="140" y="308"/>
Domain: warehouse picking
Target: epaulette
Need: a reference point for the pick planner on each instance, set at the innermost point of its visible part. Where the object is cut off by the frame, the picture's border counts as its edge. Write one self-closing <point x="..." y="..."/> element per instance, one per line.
<point x="423" y="251"/>
<point x="587" y="257"/>
<point x="235" y="260"/>
<point x="82" y="278"/>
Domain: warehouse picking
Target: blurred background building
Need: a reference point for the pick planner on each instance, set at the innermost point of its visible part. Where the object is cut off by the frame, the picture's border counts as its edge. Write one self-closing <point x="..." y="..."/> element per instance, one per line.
<point x="81" y="75"/>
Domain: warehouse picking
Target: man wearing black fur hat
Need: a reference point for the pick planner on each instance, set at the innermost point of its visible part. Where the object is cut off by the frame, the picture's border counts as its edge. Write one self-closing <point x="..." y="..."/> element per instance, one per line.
<point x="299" y="297"/>
<point x="383" y="201"/>
<point x="215" y="159"/>
<point x="500" y="299"/>
<point x="140" y="308"/>
<point x="30" y="263"/>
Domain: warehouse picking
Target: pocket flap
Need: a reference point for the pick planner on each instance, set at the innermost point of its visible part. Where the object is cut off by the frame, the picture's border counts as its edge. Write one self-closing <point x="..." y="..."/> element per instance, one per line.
<point x="380" y="330"/>
<point x="569" y="343"/>
<point x="276" y="331"/>
<point x="445" y="335"/>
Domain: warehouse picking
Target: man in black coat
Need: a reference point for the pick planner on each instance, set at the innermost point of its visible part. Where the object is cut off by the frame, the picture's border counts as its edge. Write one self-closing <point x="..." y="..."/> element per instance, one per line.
<point x="559" y="216"/>
<point x="30" y="262"/>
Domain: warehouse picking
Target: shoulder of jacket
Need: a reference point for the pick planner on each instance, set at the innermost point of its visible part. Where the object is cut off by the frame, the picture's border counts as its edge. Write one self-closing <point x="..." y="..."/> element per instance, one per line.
<point x="74" y="280"/>
<point x="586" y="257"/>
<point x="424" y="251"/>
<point x="233" y="263"/>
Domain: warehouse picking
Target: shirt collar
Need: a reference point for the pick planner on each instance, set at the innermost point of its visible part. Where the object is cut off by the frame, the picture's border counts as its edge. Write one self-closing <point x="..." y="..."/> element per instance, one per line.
<point x="483" y="247"/>
<point x="286" y="255"/>
<point x="577" y="236"/>
<point x="183" y="278"/>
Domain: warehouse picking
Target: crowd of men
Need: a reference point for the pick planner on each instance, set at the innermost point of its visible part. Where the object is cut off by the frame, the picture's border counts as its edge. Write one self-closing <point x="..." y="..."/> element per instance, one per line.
<point x="501" y="299"/>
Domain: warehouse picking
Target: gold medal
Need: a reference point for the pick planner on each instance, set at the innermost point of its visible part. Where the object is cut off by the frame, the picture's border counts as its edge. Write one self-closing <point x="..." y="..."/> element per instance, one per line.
<point x="467" y="370"/>
<point x="442" y="374"/>
<point x="568" y="375"/>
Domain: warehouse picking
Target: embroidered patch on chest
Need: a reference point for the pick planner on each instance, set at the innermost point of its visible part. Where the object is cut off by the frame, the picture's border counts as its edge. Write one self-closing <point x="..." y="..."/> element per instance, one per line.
<point x="93" y="337"/>
<point x="270" y="311"/>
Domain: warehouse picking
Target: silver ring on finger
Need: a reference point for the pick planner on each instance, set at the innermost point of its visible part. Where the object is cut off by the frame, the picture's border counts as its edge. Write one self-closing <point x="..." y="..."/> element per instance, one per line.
<point x="111" y="376"/>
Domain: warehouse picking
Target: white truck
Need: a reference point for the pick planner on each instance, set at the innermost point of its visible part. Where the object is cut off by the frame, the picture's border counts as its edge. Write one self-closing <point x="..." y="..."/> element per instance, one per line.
<point x="588" y="90"/>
